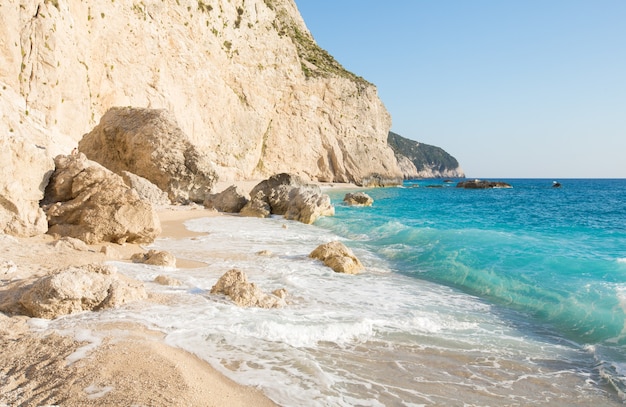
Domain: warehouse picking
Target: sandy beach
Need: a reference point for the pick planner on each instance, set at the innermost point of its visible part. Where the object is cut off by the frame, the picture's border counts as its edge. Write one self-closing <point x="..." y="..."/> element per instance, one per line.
<point x="121" y="364"/>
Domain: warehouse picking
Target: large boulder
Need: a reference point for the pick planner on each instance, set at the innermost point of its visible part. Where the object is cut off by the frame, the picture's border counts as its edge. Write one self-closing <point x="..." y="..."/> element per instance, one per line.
<point x="75" y="289"/>
<point x="289" y="195"/>
<point x="234" y="284"/>
<point x="26" y="168"/>
<point x="149" y="143"/>
<point x="230" y="200"/>
<point x="275" y="191"/>
<point x="86" y="201"/>
<point x="338" y="257"/>
<point x="307" y="204"/>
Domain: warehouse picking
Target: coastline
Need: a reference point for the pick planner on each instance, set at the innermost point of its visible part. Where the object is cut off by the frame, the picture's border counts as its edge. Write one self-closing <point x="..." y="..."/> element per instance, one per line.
<point x="119" y="364"/>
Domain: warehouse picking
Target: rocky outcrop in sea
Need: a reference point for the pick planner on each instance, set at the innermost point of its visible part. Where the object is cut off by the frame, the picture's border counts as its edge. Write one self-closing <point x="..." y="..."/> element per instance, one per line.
<point x="420" y="160"/>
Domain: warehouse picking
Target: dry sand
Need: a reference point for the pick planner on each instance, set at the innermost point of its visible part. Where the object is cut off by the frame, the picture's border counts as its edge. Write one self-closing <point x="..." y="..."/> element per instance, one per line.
<point x="132" y="366"/>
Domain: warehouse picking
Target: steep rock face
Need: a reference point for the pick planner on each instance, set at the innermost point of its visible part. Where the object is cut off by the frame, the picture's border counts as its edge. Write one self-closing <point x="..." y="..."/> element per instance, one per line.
<point x="25" y="172"/>
<point x="419" y="160"/>
<point x="243" y="78"/>
<point x="26" y="160"/>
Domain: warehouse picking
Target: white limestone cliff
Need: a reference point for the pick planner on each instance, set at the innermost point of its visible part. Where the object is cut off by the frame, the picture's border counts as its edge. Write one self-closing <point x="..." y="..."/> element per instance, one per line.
<point x="233" y="72"/>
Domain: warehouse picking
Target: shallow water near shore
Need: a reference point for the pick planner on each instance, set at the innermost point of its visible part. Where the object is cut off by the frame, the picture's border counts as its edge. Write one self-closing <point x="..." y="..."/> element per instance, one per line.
<point x="470" y="297"/>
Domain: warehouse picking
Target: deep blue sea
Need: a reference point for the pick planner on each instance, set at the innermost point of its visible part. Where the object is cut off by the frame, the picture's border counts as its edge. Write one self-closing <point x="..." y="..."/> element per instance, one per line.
<point x="469" y="298"/>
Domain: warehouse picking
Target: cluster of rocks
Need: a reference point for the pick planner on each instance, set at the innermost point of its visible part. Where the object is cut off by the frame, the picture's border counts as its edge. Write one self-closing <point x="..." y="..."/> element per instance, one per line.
<point x="95" y="287"/>
<point x="106" y="191"/>
<point x="482" y="184"/>
<point x="282" y="194"/>
<point x="133" y="161"/>
<point x="235" y="285"/>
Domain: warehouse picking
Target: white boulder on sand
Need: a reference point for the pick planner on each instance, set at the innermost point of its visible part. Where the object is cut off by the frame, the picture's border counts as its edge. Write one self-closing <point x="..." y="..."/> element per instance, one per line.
<point x="75" y="289"/>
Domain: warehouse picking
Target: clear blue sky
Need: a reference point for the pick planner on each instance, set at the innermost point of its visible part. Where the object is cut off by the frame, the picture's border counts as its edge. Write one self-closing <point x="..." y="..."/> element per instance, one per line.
<point x="511" y="88"/>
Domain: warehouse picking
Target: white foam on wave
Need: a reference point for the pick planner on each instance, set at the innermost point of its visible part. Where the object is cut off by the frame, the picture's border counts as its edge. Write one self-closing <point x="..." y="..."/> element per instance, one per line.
<point x="621" y="260"/>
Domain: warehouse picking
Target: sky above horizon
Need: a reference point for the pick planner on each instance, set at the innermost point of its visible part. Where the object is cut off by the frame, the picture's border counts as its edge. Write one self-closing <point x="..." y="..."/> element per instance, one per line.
<point x="511" y="89"/>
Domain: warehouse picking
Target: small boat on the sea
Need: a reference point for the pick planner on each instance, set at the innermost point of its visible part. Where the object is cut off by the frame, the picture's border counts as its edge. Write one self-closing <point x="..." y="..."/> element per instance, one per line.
<point x="556" y="184"/>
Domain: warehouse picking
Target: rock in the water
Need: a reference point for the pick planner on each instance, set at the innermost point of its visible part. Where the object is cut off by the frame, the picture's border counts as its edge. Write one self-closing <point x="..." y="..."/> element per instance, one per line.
<point x="86" y="201"/>
<point x="75" y="289"/>
<point x="231" y="200"/>
<point x="482" y="184"/>
<point x="358" y="199"/>
<point x="275" y="191"/>
<point x="289" y="195"/>
<point x="155" y="258"/>
<point x="149" y="143"/>
<point x="246" y="81"/>
<point x="338" y="257"/>
<point x="234" y="284"/>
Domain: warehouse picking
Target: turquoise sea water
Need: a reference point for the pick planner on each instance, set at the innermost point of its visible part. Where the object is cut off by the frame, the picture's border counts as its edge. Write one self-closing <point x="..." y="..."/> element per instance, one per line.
<point x="557" y="255"/>
<point x="497" y="297"/>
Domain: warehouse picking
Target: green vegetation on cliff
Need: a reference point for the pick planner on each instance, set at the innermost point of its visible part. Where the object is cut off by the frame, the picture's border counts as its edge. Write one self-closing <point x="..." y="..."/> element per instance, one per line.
<point x="315" y="61"/>
<point x="423" y="156"/>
